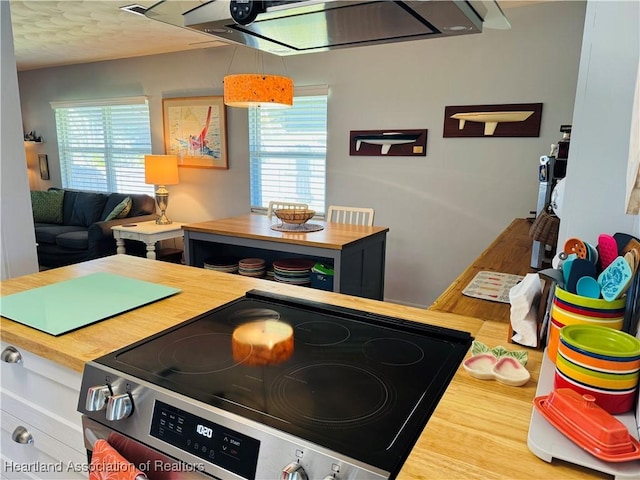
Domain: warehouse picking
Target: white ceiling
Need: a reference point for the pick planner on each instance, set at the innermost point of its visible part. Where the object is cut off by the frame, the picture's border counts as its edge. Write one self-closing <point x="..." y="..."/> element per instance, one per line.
<point x="64" y="32"/>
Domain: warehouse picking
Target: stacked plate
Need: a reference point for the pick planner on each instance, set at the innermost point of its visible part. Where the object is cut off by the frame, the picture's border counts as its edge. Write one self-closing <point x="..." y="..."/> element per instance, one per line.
<point x="222" y="264"/>
<point x="270" y="274"/>
<point x="601" y="362"/>
<point x="252" y="267"/>
<point x="571" y="309"/>
<point x="295" y="271"/>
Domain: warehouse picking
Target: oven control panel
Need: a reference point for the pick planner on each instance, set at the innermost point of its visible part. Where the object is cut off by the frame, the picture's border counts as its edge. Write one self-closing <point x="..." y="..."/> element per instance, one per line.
<point x="230" y="447"/>
<point x="214" y="443"/>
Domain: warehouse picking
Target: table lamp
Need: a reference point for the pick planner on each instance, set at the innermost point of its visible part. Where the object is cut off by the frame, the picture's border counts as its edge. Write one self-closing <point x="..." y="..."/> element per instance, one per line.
<point x="161" y="170"/>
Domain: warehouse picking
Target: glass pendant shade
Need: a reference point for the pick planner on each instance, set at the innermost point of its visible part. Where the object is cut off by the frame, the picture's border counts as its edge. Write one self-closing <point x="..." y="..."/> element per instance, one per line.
<point x="255" y="90"/>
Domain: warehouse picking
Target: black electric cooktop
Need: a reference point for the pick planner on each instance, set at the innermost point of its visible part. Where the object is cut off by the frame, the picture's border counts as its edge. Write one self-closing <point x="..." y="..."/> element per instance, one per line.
<point x="354" y="382"/>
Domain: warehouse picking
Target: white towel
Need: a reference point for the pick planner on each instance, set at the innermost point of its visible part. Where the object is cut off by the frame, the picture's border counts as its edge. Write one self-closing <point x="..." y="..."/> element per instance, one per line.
<point x="523" y="298"/>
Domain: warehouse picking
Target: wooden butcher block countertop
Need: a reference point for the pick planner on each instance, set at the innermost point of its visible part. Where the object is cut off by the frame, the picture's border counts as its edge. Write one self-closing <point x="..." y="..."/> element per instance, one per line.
<point x="478" y="431"/>
<point x="509" y="253"/>
<point x="258" y="227"/>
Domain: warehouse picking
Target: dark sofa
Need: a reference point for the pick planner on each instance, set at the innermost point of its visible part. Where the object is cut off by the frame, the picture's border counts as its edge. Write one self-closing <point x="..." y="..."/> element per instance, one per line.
<point x="72" y="226"/>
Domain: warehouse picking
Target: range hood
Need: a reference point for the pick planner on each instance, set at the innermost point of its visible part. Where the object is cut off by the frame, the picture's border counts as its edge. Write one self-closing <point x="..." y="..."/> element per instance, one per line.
<point x="297" y="27"/>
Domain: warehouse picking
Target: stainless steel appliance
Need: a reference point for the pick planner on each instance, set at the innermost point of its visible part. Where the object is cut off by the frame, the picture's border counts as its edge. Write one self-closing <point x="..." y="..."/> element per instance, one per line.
<point x="552" y="168"/>
<point x="346" y="397"/>
<point x="295" y="27"/>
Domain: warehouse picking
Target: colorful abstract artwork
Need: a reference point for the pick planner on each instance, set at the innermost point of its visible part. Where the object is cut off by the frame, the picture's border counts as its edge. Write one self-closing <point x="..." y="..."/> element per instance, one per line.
<point x="195" y="131"/>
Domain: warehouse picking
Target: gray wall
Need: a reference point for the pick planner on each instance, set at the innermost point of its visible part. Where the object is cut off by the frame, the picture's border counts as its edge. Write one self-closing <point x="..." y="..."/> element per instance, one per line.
<point x="442" y="209"/>
<point x="18" y="245"/>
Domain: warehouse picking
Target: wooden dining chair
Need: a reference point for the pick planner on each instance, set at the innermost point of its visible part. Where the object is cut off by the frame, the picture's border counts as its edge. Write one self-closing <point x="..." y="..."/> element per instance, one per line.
<point x="352" y="215"/>
<point x="275" y="205"/>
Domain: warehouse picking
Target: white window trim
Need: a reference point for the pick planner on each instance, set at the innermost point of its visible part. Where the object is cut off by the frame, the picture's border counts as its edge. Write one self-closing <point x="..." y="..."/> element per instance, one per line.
<point x="99" y="102"/>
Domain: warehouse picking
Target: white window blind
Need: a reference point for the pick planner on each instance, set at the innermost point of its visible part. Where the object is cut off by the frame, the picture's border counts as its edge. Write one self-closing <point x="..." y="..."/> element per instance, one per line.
<point x="288" y="151"/>
<point x="102" y="144"/>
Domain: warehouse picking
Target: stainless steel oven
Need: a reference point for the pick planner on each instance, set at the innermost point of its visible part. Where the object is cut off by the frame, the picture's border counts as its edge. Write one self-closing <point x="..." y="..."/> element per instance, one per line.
<point x="268" y="387"/>
<point x="152" y="463"/>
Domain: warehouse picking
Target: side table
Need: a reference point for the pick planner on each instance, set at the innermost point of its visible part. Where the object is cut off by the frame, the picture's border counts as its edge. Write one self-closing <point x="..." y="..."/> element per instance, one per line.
<point x="147" y="232"/>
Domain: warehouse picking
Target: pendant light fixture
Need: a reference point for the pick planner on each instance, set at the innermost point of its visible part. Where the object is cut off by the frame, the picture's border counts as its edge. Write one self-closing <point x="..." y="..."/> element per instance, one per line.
<point x="257" y="89"/>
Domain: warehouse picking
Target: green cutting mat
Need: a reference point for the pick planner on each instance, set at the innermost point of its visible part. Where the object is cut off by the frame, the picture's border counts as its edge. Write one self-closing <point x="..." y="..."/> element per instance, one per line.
<point x="65" y="306"/>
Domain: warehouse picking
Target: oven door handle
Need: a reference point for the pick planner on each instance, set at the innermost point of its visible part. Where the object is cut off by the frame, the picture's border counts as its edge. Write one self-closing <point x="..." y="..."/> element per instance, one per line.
<point x="92" y="438"/>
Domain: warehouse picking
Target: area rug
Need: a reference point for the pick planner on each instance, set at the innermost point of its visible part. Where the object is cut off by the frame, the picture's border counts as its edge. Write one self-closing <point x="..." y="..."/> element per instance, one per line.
<point x="493" y="286"/>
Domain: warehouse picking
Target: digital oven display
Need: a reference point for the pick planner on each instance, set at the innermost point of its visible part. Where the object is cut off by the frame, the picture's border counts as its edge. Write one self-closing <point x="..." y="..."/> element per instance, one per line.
<point x="214" y="443"/>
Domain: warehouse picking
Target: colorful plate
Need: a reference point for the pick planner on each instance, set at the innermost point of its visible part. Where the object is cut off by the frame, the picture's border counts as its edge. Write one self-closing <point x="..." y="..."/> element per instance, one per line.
<point x="597" y="355"/>
<point x="601" y="340"/>
<point x="581" y="301"/>
<point x="594" y="312"/>
<point x="590" y="360"/>
<point x="614" y="402"/>
<point x="593" y="378"/>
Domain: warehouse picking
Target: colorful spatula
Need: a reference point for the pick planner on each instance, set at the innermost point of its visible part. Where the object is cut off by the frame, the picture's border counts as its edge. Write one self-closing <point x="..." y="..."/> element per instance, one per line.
<point x="607" y="249"/>
<point x="615" y="279"/>
<point x="579" y="268"/>
<point x="577" y="246"/>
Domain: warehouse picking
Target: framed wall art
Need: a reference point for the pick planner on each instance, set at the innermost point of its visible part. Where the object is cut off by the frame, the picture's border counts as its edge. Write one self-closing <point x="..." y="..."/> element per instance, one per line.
<point x="195" y="129"/>
<point x="43" y="163"/>
<point x="399" y="143"/>
<point x="507" y="120"/>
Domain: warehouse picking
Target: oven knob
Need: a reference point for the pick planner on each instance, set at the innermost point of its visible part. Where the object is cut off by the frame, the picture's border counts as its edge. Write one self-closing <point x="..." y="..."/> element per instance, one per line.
<point x="294" y="471"/>
<point x="119" y="407"/>
<point x="97" y="398"/>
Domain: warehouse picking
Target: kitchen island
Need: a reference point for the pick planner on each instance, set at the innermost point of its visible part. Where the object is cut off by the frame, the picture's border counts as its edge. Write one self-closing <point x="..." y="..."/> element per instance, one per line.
<point x="478" y="430"/>
<point x="357" y="252"/>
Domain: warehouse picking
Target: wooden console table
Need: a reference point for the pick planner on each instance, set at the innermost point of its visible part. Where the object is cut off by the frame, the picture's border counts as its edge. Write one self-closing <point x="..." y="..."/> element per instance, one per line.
<point x="509" y="253"/>
<point x="357" y="252"/>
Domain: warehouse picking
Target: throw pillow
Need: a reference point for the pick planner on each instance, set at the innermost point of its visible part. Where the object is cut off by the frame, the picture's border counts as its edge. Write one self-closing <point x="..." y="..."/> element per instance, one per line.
<point x="87" y="208"/>
<point x="47" y="206"/>
<point x="121" y="210"/>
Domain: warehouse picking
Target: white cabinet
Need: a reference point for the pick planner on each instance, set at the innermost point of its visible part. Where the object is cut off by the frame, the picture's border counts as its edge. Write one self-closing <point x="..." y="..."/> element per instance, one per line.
<point x="39" y="399"/>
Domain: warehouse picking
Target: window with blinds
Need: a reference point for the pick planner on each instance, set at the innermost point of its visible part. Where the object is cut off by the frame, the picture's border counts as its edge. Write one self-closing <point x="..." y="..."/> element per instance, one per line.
<point x="102" y="144"/>
<point x="288" y="151"/>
